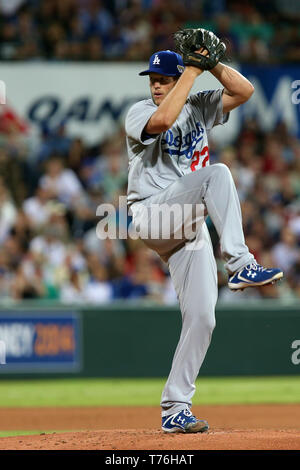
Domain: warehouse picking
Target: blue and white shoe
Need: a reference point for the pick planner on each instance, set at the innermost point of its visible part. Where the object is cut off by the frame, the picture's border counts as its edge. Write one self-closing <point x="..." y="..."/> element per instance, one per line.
<point x="183" y="421"/>
<point x="254" y="275"/>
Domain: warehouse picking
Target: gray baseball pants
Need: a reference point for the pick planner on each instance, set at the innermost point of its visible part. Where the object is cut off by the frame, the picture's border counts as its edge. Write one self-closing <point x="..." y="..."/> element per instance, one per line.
<point x="193" y="268"/>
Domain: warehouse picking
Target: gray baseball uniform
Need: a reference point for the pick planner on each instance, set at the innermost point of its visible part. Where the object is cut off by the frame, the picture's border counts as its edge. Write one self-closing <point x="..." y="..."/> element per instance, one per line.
<point x="173" y="168"/>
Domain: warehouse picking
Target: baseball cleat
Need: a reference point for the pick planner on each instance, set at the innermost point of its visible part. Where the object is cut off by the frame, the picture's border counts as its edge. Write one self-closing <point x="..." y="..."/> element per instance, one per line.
<point x="185" y="422"/>
<point x="254" y="275"/>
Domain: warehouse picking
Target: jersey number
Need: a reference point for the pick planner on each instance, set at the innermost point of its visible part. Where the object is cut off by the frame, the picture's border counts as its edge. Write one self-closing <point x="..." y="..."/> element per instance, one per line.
<point x="196" y="158"/>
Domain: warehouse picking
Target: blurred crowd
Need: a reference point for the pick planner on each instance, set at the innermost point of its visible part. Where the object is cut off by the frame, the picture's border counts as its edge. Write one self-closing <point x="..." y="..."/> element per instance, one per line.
<point x="49" y="194"/>
<point x="50" y="189"/>
<point x="265" y="31"/>
<point x="266" y="170"/>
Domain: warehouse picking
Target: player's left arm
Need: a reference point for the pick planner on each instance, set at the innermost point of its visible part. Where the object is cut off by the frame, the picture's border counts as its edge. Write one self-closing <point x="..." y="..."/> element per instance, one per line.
<point x="237" y="89"/>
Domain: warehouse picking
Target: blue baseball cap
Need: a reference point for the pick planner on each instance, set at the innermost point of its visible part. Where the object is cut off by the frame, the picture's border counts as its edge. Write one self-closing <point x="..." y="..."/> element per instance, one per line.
<point x="167" y="63"/>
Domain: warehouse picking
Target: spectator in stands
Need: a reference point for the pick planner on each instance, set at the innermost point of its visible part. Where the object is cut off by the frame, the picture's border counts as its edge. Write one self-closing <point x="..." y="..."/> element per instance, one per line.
<point x="72" y="290"/>
<point x="8" y="212"/>
<point x="37" y="208"/>
<point x="104" y="30"/>
<point x="12" y="173"/>
<point x="50" y="245"/>
<point x="96" y="20"/>
<point x="53" y="141"/>
<point x="61" y="183"/>
<point x="93" y="49"/>
<point x="27" y="285"/>
<point x="286" y="252"/>
<point x="98" y="289"/>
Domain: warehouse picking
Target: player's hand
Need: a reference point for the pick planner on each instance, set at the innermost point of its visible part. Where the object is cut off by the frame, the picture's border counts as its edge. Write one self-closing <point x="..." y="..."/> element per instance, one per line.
<point x="196" y="70"/>
<point x="189" y="43"/>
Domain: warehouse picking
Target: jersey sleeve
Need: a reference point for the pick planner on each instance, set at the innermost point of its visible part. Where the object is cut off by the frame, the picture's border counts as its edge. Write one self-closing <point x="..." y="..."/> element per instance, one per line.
<point x="210" y="105"/>
<point x="136" y="120"/>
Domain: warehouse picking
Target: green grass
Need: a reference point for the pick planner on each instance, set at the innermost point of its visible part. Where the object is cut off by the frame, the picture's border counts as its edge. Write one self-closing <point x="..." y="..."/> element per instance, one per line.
<point x="26" y="433"/>
<point x="140" y="392"/>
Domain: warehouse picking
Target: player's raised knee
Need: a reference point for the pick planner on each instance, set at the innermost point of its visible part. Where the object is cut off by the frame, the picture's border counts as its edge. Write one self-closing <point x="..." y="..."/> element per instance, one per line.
<point x="221" y="170"/>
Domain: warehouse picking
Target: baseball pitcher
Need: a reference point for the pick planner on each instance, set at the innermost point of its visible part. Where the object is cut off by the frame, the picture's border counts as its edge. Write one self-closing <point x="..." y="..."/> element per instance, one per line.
<point x="169" y="166"/>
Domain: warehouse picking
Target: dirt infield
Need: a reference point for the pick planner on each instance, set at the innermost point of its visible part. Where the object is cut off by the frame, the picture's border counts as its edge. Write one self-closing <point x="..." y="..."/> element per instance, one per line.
<point x="231" y="427"/>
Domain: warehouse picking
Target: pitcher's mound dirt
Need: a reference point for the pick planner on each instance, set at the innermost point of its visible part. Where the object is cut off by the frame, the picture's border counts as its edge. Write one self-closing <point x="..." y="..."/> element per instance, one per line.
<point x="154" y="440"/>
<point x="114" y="428"/>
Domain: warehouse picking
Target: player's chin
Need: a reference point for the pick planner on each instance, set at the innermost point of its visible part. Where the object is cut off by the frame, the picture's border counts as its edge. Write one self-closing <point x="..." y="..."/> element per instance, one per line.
<point x="157" y="99"/>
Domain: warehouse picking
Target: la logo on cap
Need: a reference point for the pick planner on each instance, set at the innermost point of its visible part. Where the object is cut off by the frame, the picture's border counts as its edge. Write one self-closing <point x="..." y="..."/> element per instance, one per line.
<point x="156" y="60"/>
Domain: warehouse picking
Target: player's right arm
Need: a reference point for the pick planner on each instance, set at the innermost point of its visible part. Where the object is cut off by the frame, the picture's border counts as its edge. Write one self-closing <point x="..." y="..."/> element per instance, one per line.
<point x="170" y="108"/>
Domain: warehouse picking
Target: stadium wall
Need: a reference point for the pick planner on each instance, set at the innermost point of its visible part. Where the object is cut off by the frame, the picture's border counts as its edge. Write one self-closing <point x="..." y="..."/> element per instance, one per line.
<point x="92" y="99"/>
<point x="135" y="340"/>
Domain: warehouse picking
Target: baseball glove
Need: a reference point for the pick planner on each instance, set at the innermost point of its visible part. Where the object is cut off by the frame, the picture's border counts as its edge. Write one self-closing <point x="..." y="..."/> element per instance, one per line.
<point x="188" y="41"/>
